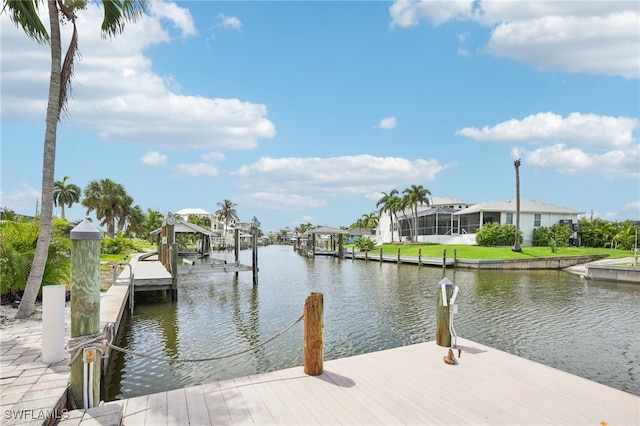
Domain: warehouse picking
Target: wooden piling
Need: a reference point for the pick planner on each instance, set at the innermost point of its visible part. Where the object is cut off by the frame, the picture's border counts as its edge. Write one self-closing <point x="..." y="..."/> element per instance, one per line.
<point x="398" y="254"/>
<point x="443" y="334"/>
<point x="444" y="258"/>
<point x="254" y="255"/>
<point x="380" y="254"/>
<point x="419" y="257"/>
<point x="313" y="334"/>
<point x="85" y="302"/>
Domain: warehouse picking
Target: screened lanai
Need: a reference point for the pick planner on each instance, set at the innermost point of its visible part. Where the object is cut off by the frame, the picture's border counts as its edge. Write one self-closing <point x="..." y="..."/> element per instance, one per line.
<point x="438" y="220"/>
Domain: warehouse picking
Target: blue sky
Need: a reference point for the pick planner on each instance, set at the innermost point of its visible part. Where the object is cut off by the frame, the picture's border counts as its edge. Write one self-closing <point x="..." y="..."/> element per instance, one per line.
<point x="306" y="111"/>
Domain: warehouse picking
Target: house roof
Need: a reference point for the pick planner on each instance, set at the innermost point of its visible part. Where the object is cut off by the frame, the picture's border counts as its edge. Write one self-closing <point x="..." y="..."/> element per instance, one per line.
<point x="526" y="206"/>
<point x="326" y="230"/>
<point x="447" y="201"/>
<point x="182" y="227"/>
<point x="187" y="212"/>
<point x="431" y="211"/>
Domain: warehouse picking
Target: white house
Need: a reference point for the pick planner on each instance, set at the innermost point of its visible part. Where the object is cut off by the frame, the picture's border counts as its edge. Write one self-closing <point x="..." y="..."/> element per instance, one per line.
<point x="533" y="214"/>
<point x="452" y="221"/>
<point x="435" y="219"/>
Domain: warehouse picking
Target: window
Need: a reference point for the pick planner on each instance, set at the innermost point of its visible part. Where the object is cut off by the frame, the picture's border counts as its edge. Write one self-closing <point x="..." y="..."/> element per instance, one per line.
<point x="537" y="219"/>
<point x="509" y="218"/>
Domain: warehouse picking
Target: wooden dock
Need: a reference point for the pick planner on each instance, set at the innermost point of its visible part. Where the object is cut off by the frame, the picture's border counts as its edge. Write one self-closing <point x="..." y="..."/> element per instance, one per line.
<point x="149" y="274"/>
<point x="415" y="260"/>
<point x="407" y="385"/>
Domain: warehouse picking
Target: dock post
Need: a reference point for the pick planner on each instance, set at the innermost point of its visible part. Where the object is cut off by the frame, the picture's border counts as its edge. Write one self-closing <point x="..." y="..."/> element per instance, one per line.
<point x="380" y="254"/>
<point x="444" y="258"/>
<point x="236" y="246"/>
<point x="445" y="291"/>
<point x="455" y="257"/>
<point x="313" y="335"/>
<point x="85" y="311"/>
<point x="340" y="246"/>
<point x="255" y="225"/>
<point x="172" y="255"/>
<point x="398" y="254"/>
<point x="419" y="257"/>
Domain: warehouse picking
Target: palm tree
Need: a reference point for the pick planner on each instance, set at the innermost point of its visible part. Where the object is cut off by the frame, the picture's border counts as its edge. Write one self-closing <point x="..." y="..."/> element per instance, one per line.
<point x="416" y="195"/>
<point x="369" y="220"/>
<point x="110" y="202"/>
<point x="152" y="221"/>
<point x="516" y="244"/>
<point x="64" y="194"/>
<point x="396" y="204"/>
<point x="384" y="203"/>
<point x="135" y="221"/>
<point x="24" y="13"/>
<point x="226" y="213"/>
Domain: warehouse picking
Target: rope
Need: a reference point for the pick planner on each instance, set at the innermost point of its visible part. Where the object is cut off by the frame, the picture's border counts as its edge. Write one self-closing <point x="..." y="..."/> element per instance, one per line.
<point x="80" y="342"/>
<point x="214" y="358"/>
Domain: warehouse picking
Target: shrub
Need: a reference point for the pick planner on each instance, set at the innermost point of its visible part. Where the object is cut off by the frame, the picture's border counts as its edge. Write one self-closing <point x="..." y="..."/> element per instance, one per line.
<point x="554" y="237"/>
<point x="18" y="241"/>
<point x="494" y="234"/>
<point x="119" y="245"/>
<point x="364" y="243"/>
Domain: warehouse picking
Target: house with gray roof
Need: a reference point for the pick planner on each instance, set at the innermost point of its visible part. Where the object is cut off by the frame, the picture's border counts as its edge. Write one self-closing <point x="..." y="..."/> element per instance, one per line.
<point x="452" y="221"/>
<point x="434" y="219"/>
<point x="533" y="214"/>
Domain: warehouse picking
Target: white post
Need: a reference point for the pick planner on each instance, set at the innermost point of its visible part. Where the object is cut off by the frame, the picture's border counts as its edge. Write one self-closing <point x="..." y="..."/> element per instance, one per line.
<point x="53" y="323"/>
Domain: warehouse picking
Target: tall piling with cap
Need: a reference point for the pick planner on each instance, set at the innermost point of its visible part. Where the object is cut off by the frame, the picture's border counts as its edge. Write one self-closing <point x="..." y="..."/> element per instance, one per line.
<point x="85" y="310"/>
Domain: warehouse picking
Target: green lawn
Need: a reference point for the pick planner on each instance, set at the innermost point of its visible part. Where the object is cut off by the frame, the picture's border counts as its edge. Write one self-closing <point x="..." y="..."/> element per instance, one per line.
<point x="477" y="252"/>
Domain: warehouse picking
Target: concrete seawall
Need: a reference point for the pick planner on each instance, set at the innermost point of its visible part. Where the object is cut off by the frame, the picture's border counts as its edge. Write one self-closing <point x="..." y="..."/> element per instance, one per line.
<point x="629" y="274"/>
<point x="536" y="263"/>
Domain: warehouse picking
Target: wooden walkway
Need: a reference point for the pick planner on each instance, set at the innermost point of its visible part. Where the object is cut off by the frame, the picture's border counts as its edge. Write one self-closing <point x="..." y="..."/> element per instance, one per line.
<point x="147" y="275"/>
<point x="376" y="257"/>
<point x="407" y="385"/>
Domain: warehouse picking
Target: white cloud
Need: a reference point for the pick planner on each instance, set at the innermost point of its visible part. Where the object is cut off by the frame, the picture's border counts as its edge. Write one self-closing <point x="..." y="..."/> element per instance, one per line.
<point x="405" y="13"/>
<point x="213" y="157"/>
<point x="615" y="164"/>
<point x="23" y="199"/>
<point x="595" y="37"/>
<point x="359" y="174"/>
<point x="633" y="208"/>
<point x="587" y="130"/>
<point x="197" y="169"/>
<point x="230" y="22"/>
<point x="579" y="144"/>
<point x="154" y="158"/>
<point x="117" y="94"/>
<point x="387" y="123"/>
<point x="278" y="201"/>
<point x="180" y="17"/>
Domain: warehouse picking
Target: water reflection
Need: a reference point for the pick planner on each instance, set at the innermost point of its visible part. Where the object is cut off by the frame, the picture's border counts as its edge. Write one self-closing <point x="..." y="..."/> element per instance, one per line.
<point x="583" y="327"/>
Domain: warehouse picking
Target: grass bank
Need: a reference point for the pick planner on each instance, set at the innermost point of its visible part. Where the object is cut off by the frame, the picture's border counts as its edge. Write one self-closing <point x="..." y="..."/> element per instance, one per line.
<point x="495" y="253"/>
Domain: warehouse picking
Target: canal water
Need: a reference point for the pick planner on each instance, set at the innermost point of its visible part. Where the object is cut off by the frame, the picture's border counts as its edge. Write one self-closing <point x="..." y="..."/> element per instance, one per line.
<point x="588" y="328"/>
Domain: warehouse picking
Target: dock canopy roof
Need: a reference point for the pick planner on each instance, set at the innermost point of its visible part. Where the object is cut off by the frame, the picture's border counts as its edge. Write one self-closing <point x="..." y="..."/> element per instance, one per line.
<point x="326" y="230"/>
<point x="182" y="227"/>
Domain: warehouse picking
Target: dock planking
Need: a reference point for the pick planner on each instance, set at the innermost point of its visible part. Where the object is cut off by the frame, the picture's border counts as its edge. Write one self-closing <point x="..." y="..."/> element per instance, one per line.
<point x="406" y="385"/>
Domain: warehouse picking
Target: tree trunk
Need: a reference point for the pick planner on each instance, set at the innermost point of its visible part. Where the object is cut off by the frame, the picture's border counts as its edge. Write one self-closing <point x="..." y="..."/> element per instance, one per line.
<point x="48" y="170"/>
<point x="415" y="223"/>
<point x="516" y="245"/>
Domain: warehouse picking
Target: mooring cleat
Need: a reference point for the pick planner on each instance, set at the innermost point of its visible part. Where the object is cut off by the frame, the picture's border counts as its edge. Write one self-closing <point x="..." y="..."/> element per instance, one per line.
<point x="450" y="359"/>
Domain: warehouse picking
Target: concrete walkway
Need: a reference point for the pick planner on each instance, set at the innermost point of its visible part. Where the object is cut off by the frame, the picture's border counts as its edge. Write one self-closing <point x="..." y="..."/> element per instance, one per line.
<point x="580" y="269"/>
<point x="31" y="393"/>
